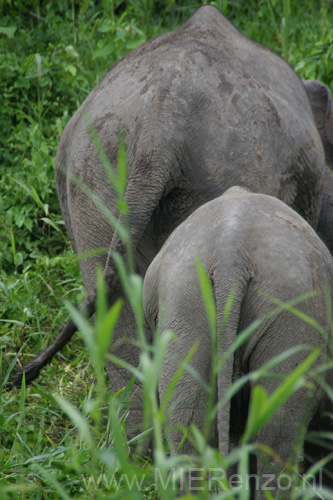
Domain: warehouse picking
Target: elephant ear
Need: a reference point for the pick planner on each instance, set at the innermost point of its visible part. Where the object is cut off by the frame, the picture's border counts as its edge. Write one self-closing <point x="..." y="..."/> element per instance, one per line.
<point x="322" y="108"/>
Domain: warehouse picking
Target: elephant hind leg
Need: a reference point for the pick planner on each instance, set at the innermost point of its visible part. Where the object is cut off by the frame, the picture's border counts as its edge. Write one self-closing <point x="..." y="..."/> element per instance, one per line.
<point x="284" y="437"/>
<point x="186" y="408"/>
<point x="182" y="311"/>
<point x="318" y="446"/>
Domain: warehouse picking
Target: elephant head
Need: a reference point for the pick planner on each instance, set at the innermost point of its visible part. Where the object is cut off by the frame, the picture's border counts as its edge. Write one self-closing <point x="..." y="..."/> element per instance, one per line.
<point x="321" y="103"/>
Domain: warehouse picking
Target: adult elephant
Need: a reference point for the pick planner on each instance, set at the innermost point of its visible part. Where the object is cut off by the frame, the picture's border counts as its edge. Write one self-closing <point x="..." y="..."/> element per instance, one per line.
<point x="202" y="108"/>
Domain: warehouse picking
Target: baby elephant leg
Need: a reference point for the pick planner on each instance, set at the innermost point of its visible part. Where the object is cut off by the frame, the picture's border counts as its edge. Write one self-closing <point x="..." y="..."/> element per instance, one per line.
<point x="187" y="405"/>
<point x="188" y="402"/>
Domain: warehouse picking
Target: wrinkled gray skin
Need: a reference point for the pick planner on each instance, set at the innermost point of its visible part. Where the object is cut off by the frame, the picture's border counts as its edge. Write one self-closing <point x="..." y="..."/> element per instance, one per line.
<point x="259" y="247"/>
<point x="202" y="108"/>
<point x="321" y="103"/>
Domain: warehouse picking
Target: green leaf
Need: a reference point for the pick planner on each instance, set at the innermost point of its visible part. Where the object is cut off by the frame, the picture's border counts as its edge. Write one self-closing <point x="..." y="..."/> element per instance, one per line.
<point x="177" y="376"/>
<point x="38" y="60"/>
<point x="122" y="206"/>
<point x="34" y="195"/>
<point x="243" y="470"/>
<point x="52" y="480"/>
<point x="114" y="221"/>
<point x="118" y="439"/>
<point x="104" y="51"/>
<point x="105" y="328"/>
<point x="133" y="44"/>
<point x="263" y="408"/>
<point x="71" y="69"/>
<point x="8" y="31"/>
<point x="5" y="289"/>
<point x="122" y="166"/>
<point x="258" y="406"/>
<point x="291" y="383"/>
<point x="71" y="52"/>
<point x="49" y="222"/>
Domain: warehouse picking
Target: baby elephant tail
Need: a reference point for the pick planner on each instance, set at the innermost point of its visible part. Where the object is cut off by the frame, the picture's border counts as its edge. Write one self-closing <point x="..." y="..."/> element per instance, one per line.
<point x="228" y="314"/>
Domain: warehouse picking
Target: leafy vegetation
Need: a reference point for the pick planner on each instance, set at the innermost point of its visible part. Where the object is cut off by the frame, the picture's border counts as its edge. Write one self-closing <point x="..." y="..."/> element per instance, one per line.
<point x="52" y="54"/>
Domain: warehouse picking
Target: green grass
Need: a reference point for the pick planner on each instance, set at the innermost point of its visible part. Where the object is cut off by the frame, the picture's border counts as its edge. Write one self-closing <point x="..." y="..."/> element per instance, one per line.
<point x="59" y="438"/>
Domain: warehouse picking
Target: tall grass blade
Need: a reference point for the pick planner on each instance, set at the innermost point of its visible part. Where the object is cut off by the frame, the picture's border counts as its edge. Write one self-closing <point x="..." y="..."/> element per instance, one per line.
<point x="118" y="439"/>
<point x="78" y="420"/>
<point x="51" y="479"/>
<point x="208" y="299"/>
<point x="207" y="294"/>
<point x="262" y="407"/>
<point x="132" y="285"/>
<point x="177" y="376"/>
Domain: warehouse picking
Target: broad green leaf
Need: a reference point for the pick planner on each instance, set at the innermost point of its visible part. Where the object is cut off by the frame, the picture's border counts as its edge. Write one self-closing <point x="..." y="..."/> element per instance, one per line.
<point x="4" y="288"/>
<point x="71" y="51"/>
<point x="8" y="31"/>
<point x="71" y="69"/>
<point x="103" y="51"/>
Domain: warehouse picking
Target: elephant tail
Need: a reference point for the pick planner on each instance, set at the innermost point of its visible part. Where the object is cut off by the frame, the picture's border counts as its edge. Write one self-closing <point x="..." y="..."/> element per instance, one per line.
<point x="87" y="308"/>
<point x="34" y="366"/>
<point x="227" y="321"/>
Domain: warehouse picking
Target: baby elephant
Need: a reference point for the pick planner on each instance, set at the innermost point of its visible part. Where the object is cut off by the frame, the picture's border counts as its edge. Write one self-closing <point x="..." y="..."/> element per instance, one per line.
<point x="261" y="249"/>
